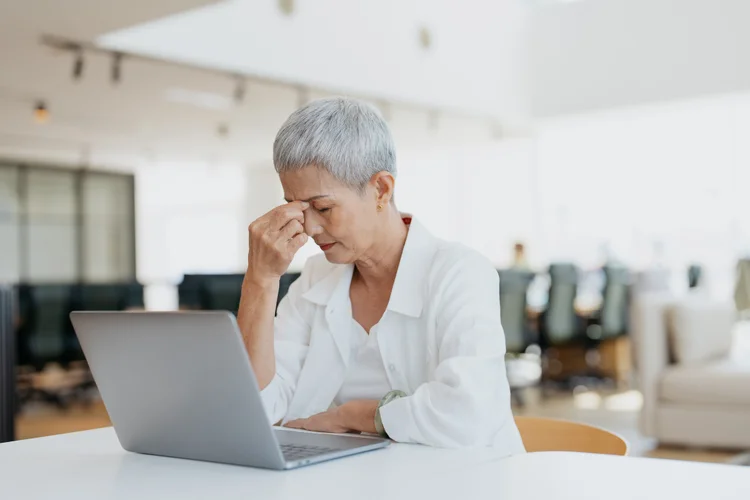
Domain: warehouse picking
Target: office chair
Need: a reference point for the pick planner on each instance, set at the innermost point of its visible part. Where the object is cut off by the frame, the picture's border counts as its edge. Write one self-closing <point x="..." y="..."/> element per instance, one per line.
<point x="548" y="434"/>
<point x="513" y="287"/>
<point x="7" y="364"/>
<point x="562" y="331"/>
<point x="96" y="297"/>
<point x="612" y="319"/>
<point x="42" y="335"/>
<point x="134" y="296"/>
<point x="284" y="283"/>
<point x="188" y="291"/>
<point x="695" y="273"/>
<point x="559" y="323"/>
<point x="221" y="292"/>
<point x="607" y="357"/>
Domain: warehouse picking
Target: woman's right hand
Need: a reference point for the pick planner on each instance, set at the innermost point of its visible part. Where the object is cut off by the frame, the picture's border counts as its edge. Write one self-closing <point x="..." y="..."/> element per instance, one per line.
<point x="274" y="240"/>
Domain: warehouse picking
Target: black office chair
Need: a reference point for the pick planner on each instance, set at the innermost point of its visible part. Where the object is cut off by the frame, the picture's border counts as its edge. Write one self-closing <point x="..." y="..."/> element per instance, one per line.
<point x="559" y="324"/>
<point x="514" y="285"/>
<point x="96" y="297"/>
<point x="189" y="291"/>
<point x="45" y="310"/>
<point x="284" y="283"/>
<point x="612" y="319"/>
<point x="221" y="292"/>
<point x="42" y="335"/>
<point x="109" y="296"/>
<point x="101" y="297"/>
<point x="562" y="330"/>
<point x="8" y="391"/>
<point x="695" y="273"/>
<point x="134" y="296"/>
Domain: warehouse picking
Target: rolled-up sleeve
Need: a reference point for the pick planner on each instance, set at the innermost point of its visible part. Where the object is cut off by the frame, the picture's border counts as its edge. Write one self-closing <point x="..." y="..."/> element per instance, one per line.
<point x="291" y="341"/>
<point x="466" y="401"/>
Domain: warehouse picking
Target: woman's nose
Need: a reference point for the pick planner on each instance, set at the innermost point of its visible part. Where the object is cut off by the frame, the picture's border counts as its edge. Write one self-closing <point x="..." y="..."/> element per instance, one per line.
<point x="312" y="228"/>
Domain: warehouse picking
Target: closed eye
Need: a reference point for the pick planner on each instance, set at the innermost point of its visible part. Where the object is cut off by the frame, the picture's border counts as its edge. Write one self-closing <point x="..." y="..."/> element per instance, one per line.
<point x="321" y="210"/>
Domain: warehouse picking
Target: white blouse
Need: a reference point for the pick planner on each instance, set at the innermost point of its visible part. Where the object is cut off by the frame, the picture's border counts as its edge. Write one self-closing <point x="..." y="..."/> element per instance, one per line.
<point x="440" y="341"/>
<point x="365" y="377"/>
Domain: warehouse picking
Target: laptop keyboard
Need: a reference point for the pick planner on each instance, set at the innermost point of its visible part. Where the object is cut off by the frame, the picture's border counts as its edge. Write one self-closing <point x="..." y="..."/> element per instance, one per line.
<point x="293" y="452"/>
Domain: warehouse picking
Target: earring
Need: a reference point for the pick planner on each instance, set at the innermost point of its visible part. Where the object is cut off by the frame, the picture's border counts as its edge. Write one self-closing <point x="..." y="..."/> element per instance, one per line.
<point x="380" y="207"/>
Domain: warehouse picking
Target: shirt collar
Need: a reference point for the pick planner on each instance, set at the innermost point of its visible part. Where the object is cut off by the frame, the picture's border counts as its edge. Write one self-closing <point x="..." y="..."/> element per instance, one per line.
<point x="407" y="296"/>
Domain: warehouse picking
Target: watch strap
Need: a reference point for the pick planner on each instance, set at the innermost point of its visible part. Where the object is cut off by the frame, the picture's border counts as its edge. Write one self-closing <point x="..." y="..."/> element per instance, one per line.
<point x="392" y="395"/>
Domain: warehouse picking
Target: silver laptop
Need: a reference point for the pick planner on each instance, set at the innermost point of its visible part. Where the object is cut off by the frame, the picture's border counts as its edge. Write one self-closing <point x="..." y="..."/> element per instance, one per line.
<point x="180" y="385"/>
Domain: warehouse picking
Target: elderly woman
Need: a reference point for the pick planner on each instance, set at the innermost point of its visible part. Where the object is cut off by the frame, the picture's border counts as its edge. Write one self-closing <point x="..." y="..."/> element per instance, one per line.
<point x="390" y="330"/>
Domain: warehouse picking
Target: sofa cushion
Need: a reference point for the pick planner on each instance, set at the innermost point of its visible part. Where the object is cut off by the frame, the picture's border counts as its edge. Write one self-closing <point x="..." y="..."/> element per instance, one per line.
<point x="722" y="382"/>
<point x="701" y="329"/>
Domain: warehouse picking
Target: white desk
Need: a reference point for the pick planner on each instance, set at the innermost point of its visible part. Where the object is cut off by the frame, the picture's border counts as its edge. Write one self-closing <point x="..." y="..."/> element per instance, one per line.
<point x="91" y="465"/>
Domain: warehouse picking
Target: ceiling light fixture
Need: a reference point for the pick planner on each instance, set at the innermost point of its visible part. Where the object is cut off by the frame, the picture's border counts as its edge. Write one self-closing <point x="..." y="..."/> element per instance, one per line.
<point x="41" y="113"/>
<point x="222" y="130"/>
<point x="239" y="91"/>
<point x="286" y="7"/>
<point x="116" y="67"/>
<point x="425" y="38"/>
<point x="78" y="64"/>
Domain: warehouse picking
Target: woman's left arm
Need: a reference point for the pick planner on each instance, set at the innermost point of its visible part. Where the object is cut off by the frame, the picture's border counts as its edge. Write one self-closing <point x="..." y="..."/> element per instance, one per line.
<point x="467" y="401"/>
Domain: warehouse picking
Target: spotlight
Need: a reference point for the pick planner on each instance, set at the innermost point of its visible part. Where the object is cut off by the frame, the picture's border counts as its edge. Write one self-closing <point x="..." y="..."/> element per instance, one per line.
<point x="41" y="113"/>
<point x="239" y="91"/>
<point x="286" y="7"/>
<point x="116" y="67"/>
<point x="78" y="65"/>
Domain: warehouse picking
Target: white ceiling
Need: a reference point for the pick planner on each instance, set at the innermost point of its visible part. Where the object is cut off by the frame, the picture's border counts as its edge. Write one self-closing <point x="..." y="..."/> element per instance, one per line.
<point x="583" y="55"/>
<point x="102" y="124"/>
<point x="371" y="48"/>
<point x="91" y="117"/>
<point x="616" y="53"/>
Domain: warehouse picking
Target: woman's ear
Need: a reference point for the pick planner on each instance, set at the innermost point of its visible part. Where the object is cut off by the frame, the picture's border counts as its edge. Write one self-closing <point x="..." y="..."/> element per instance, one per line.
<point x="384" y="184"/>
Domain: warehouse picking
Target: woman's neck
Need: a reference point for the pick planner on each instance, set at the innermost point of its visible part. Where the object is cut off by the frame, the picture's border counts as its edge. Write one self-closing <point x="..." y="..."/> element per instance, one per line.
<point x="378" y="267"/>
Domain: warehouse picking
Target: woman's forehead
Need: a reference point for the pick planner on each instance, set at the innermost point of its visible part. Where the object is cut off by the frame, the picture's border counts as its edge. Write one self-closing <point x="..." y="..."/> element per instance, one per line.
<point x="308" y="183"/>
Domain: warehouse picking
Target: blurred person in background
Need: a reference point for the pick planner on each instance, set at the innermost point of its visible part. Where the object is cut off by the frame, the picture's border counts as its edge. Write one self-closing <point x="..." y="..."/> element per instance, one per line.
<point x="390" y="330"/>
<point x="519" y="257"/>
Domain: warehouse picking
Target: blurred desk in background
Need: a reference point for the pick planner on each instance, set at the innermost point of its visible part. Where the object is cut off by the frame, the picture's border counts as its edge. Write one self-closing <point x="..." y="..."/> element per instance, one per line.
<point x="585" y="307"/>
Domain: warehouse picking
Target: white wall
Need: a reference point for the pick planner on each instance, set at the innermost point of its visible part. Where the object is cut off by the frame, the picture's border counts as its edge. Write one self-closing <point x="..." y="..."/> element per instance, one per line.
<point x="672" y="175"/>
<point x="189" y="220"/>
<point x="608" y="53"/>
<point x="193" y="217"/>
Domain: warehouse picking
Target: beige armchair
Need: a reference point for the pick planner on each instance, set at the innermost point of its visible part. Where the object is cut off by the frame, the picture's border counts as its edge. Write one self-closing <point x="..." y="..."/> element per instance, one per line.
<point x="696" y="390"/>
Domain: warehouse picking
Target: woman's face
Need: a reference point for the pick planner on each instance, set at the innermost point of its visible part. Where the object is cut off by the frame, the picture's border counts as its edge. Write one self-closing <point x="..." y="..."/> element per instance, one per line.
<point x="342" y="221"/>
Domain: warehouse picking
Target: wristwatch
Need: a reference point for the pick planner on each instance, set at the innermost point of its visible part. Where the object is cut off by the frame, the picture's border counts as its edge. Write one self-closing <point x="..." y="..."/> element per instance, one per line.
<point x="391" y="396"/>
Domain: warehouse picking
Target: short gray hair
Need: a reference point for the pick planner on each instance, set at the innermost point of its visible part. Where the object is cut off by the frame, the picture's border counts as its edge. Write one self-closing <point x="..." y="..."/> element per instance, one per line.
<point x="348" y="138"/>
